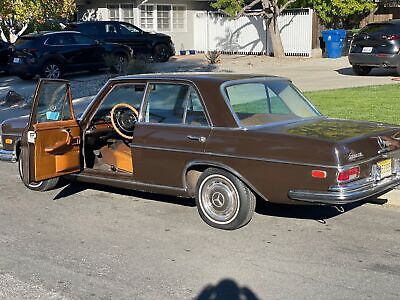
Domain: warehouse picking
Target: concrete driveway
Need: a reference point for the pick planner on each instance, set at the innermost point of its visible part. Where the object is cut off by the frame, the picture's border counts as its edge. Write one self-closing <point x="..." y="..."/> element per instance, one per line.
<point x="309" y="74"/>
<point x="90" y="242"/>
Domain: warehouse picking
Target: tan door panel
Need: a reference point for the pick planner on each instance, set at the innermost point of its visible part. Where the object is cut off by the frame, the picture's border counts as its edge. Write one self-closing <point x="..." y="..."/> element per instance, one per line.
<point x="57" y="149"/>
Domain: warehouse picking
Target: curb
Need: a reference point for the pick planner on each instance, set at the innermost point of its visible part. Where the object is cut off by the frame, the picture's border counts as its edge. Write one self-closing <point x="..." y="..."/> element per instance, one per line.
<point x="392" y="197"/>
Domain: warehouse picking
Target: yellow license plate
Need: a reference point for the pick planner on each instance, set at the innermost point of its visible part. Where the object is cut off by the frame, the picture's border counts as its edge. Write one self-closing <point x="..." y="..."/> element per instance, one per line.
<point x="385" y="167"/>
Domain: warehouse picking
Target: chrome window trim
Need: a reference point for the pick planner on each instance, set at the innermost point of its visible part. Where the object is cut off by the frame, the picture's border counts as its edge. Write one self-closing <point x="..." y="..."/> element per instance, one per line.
<point x="174" y="82"/>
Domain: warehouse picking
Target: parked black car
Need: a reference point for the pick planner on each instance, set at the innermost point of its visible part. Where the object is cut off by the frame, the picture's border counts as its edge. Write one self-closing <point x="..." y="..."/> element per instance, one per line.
<point x="50" y="54"/>
<point x="4" y="55"/>
<point x="158" y="45"/>
<point x="376" y="45"/>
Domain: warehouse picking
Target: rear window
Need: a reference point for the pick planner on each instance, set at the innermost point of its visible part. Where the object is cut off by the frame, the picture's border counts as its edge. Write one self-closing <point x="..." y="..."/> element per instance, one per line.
<point x="378" y="28"/>
<point x="25" y="42"/>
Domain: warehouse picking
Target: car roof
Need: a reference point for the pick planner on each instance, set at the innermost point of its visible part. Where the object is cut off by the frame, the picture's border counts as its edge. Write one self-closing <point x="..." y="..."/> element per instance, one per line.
<point x="45" y="33"/>
<point x="200" y="76"/>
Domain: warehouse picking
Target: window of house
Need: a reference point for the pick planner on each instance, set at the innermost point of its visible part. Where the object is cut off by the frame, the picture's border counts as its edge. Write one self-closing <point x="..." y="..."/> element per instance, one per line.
<point x="163" y="17"/>
<point x="179" y="17"/>
<point x="121" y="12"/>
<point x="127" y="13"/>
<point x="147" y="17"/>
<point x="113" y="12"/>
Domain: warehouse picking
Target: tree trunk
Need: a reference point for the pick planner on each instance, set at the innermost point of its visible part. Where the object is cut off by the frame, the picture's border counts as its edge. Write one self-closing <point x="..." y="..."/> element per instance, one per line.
<point x="275" y="35"/>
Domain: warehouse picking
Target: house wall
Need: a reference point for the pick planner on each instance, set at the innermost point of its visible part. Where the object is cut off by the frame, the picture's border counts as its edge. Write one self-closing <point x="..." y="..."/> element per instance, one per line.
<point x="183" y="39"/>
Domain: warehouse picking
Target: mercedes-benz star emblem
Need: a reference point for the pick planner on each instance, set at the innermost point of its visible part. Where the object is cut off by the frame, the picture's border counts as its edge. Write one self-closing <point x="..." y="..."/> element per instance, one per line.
<point x="217" y="199"/>
<point x="381" y="142"/>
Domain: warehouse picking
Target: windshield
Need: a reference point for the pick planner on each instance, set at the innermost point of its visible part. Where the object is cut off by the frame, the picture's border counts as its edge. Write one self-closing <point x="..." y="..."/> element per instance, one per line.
<point x="264" y="102"/>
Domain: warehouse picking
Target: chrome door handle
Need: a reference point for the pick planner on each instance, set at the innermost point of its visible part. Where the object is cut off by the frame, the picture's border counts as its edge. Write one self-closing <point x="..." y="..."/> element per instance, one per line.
<point x="200" y="139"/>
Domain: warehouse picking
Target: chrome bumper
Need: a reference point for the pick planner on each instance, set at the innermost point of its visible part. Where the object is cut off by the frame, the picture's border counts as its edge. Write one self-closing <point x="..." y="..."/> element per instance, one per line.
<point x="348" y="193"/>
<point x="7" y="155"/>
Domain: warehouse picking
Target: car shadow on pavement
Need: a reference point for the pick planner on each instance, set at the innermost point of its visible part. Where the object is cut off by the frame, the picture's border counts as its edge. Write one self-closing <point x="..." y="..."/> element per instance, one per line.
<point x="377" y="72"/>
<point x="73" y="188"/>
<point x="226" y="289"/>
<point x="319" y="213"/>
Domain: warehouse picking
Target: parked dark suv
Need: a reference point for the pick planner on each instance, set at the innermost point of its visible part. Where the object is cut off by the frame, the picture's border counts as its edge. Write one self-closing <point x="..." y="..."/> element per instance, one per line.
<point x="50" y="54"/>
<point x="4" y="55"/>
<point x="376" y="45"/>
<point x="158" y="45"/>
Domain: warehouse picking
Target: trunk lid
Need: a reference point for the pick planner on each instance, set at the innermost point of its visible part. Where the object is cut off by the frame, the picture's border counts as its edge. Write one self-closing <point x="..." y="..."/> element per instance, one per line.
<point x="354" y="140"/>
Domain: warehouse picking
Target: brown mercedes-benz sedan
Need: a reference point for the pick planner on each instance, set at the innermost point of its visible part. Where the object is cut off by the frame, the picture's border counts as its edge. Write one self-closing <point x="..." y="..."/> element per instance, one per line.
<point x="221" y="138"/>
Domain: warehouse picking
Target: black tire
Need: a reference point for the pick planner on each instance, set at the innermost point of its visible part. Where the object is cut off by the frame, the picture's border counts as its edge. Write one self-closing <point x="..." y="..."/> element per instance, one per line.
<point x="26" y="76"/>
<point x="51" y="70"/>
<point x="361" y="70"/>
<point x="398" y="70"/>
<point x="121" y="63"/>
<point x="224" y="201"/>
<point x="40" y="186"/>
<point x="161" y="53"/>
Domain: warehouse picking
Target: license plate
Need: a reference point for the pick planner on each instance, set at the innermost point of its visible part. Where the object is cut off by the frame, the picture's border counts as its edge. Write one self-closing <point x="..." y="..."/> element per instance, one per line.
<point x="384" y="168"/>
<point x="16" y="60"/>
<point x="367" y="49"/>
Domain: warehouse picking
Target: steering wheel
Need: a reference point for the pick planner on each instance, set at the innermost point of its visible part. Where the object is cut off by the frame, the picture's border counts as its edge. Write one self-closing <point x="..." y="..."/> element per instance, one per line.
<point x="123" y="119"/>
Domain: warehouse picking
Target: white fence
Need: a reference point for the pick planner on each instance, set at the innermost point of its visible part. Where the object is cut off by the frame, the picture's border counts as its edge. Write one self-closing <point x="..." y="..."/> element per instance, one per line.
<point x="247" y="35"/>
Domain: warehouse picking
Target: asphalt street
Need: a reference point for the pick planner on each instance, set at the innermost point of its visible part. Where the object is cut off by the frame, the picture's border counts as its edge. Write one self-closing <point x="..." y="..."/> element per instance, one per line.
<point x="90" y="242"/>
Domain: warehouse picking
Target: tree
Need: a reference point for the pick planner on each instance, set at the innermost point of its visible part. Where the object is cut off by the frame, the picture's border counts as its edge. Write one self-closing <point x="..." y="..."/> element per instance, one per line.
<point x="270" y="10"/>
<point x="15" y="15"/>
<point x="342" y="13"/>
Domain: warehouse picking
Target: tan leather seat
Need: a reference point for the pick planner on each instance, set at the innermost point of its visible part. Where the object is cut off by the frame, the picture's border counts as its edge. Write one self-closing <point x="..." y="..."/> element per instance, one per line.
<point x="118" y="155"/>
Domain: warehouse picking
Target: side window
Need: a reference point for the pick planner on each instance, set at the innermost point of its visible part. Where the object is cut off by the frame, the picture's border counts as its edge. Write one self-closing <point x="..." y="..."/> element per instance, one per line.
<point x="194" y="110"/>
<point x="81" y="39"/>
<point x="53" y="103"/>
<point x="123" y="93"/>
<point x="110" y="29"/>
<point x="60" y="39"/>
<point x="174" y="104"/>
<point x="276" y="105"/>
<point x="128" y="29"/>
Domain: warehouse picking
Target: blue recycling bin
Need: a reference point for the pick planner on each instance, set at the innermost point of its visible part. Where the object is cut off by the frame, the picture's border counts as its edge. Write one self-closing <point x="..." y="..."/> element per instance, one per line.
<point x="334" y="42"/>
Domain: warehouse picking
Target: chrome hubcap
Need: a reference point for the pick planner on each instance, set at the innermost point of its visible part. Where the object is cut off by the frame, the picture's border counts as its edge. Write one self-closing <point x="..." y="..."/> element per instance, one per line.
<point x="52" y="71"/>
<point x="219" y="199"/>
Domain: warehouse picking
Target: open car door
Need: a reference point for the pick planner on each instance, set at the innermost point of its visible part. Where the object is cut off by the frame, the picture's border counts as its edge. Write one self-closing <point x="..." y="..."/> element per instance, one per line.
<point x="53" y="136"/>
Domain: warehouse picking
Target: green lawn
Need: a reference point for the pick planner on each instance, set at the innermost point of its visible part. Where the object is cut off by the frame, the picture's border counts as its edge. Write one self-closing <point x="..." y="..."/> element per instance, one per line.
<point x="372" y="103"/>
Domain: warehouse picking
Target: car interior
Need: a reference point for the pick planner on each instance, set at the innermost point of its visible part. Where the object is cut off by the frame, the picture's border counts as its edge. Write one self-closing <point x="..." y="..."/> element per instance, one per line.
<point x="111" y="129"/>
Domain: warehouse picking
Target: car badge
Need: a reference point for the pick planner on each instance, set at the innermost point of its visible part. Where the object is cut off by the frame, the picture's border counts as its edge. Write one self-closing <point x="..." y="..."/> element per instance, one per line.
<point x="381" y="142"/>
<point x="366" y="37"/>
<point x="353" y="156"/>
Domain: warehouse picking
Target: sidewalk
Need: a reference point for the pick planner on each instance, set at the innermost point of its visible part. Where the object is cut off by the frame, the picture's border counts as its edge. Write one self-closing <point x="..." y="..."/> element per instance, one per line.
<point x="393" y="198"/>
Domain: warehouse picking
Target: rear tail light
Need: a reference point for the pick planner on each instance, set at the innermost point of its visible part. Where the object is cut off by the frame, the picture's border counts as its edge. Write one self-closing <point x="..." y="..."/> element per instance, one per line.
<point x="391" y="37"/>
<point x="318" y="174"/>
<point x="349" y="174"/>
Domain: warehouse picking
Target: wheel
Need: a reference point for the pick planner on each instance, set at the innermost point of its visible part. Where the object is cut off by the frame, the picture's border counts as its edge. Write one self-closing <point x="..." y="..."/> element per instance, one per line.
<point x="51" y="70"/>
<point x="26" y="76"/>
<point x="398" y="70"/>
<point x="161" y="53"/>
<point x="223" y="201"/>
<point x="121" y="63"/>
<point x="40" y="186"/>
<point x="361" y="70"/>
